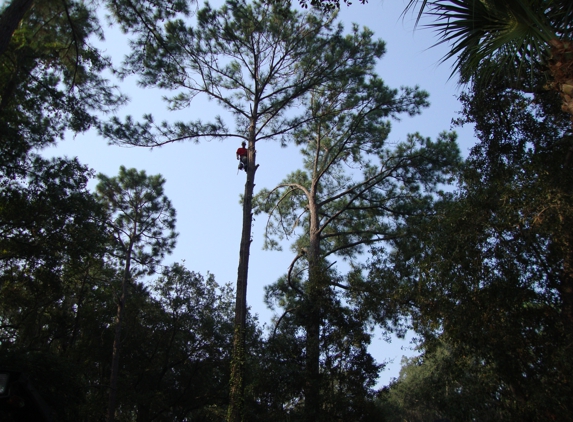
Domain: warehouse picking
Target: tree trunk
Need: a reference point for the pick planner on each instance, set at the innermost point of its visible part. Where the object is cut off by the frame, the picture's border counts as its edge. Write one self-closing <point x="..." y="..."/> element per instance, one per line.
<point x="312" y="362"/>
<point x="237" y="383"/>
<point x="143" y="413"/>
<point x="566" y="289"/>
<point x="117" y="341"/>
<point x="10" y="19"/>
<point x="315" y="297"/>
<point x="561" y="68"/>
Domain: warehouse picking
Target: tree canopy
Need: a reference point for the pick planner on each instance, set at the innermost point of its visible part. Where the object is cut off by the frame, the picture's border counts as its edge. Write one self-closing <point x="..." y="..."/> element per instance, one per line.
<point x="488" y="278"/>
<point x="355" y="191"/>
<point x="472" y="257"/>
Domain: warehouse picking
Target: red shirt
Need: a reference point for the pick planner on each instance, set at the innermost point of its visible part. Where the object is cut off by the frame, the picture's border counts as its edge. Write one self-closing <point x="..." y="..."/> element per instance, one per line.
<point x="242" y="151"/>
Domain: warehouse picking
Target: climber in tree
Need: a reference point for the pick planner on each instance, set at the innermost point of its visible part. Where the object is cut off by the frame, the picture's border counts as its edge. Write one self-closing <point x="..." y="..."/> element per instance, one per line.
<point x="242" y="156"/>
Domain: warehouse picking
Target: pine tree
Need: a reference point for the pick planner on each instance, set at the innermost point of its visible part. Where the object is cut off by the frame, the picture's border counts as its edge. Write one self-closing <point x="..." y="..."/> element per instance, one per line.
<point x="332" y="212"/>
<point x="255" y="60"/>
<point x="142" y="223"/>
<point x="487" y="276"/>
<point x="50" y="81"/>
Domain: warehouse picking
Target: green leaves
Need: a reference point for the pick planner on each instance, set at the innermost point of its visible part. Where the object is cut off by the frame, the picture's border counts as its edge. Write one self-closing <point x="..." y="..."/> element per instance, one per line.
<point x="50" y="218"/>
<point x="51" y="227"/>
<point x="141" y="217"/>
<point x="356" y="190"/>
<point x="499" y="38"/>
<point x="254" y="59"/>
<point x="50" y="79"/>
<point x="345" y="135"/>
<point x="486" y="275"/>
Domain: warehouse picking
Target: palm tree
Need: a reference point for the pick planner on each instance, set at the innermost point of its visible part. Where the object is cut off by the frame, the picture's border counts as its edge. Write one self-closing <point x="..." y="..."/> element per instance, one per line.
<point x="522" y="40"/>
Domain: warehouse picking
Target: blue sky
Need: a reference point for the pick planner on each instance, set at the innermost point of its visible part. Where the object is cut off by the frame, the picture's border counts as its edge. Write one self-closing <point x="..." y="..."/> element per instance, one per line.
<point x="202" y="179"/>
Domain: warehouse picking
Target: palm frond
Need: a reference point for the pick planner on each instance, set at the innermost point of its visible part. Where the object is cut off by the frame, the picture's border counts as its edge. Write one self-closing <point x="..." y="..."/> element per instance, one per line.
<point x="498" y="33"/>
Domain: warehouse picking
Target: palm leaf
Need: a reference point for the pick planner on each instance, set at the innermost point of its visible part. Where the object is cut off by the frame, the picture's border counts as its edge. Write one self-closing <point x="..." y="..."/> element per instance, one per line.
<point x="490" y="37"/>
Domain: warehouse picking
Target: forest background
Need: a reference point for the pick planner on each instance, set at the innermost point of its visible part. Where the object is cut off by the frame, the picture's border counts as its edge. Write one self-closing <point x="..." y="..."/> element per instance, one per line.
<point x="203" y="181"/>
<point x="483" y="274"/>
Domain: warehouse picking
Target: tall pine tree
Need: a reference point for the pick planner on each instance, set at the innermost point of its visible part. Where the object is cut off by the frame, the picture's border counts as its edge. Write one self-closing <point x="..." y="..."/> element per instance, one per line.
<point x="255" y="60"/>
<point x="355" y="190"/>
<point x="141" y="223"/>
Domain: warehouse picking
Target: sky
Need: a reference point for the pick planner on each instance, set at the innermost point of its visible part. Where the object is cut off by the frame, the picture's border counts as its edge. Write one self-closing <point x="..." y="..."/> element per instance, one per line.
<point x="204" y="184"/>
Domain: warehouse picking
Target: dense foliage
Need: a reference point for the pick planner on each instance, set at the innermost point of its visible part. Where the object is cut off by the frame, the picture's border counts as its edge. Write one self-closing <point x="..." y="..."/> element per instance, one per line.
<point x="355" y="190"/>
<point x="483" y="274"/>
<point x="489" y="276"/>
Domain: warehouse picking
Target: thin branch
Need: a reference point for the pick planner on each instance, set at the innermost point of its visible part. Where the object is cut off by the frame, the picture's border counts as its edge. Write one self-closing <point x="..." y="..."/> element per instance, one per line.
<point x="361" y="242"/>
<point x="280" y="319"/>
<point x="291" y="267"/>
<point x="276" y="207"/>
<point x="72" y="27"/>
<point x="358" y="232"/>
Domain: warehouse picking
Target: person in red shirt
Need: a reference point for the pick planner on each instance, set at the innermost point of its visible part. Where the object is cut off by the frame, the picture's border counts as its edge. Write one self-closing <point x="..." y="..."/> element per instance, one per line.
<point x="242" y="156"/>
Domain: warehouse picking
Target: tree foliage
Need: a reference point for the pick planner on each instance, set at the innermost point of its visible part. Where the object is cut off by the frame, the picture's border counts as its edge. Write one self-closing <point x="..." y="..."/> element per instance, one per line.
<point x="176" y="351"/>
<point x="141" y="218"/>
<point x="443" y="385"/>
<point x="489" y="275"/>
<point x="142" y="222"/>
<point x="527" y="43"/>
<point x="354" y="191"/>
<point x="484" y="274"/>
<point x="256" y="61"/>
<point x="51" y="80"/>
<point x="49" y="222"/>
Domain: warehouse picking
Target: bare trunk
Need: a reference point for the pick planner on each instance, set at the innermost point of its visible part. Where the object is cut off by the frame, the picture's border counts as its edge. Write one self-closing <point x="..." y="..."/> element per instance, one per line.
<point x="315" y="297"/>
<point x="10" y="19"/>
<point x="237" y="383"/>
<point x="79" y="309"/>
<point x="143" y="414"/>
<point x="561" y="67"/>
<point x="117" y="341"/>
<point x="566" y="290"/>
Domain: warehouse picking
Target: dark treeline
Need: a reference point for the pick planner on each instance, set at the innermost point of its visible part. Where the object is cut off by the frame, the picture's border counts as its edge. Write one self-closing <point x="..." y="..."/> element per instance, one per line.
<point x="472" y="256"/>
